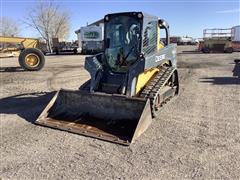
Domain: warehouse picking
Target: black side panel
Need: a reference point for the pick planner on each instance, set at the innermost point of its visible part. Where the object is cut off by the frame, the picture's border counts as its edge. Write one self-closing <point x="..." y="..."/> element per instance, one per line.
<point x="94" y="67"/>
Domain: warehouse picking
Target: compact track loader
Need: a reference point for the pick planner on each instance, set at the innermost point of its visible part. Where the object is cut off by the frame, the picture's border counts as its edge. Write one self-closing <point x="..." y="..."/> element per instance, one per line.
<point x="130" y="81"/>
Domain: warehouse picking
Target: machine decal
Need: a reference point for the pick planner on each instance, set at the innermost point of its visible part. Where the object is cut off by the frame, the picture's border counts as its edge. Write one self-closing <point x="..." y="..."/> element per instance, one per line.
<point x="159" y="58"/>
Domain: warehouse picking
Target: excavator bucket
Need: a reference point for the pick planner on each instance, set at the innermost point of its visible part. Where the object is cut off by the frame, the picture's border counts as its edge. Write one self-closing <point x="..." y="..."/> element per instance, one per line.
<point x="112" y="118"/>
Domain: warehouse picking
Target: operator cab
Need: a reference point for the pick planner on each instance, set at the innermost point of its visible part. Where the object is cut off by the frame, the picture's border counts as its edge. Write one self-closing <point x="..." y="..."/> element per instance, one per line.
<point x="128" y="37"/>
<point x="122" y="40"/>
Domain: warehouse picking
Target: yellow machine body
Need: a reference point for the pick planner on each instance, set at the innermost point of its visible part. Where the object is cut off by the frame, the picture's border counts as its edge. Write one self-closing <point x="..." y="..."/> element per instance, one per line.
<point x="144" y="77"/>
<point x="160" y="44"/>
<point x="9" y="43"/>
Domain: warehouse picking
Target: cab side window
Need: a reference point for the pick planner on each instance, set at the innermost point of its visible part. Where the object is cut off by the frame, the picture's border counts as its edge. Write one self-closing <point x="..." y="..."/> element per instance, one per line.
<point x="150" y="37"/>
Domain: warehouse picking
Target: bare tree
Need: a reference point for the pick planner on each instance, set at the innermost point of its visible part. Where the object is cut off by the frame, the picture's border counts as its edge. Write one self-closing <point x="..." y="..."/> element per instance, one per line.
<point x="8" y="27"/>
<point x="49" y="20"/>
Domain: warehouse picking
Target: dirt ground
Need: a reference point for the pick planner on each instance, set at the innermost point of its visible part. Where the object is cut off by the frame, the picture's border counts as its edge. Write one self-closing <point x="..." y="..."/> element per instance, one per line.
<point x="196" y="136"/>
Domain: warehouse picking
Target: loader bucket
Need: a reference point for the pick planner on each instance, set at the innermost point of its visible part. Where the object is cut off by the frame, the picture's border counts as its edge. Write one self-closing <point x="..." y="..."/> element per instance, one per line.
<point x="112" y="118"/>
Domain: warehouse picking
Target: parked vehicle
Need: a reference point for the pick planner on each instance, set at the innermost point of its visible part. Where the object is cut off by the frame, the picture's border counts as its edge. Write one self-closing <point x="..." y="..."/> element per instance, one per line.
<point x="186" y="41"/>
<point x="90" y="39"/>
<point x="64" y="46"/>
<point x="217" y="40"/>
<point x="182" y="40"/>
<point x="16" y="44"/>
<point x="31" y="51"/>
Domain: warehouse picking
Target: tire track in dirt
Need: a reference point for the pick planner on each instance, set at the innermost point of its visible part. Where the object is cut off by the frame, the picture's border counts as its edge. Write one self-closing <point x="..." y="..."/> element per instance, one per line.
<point x="56" y="72"/>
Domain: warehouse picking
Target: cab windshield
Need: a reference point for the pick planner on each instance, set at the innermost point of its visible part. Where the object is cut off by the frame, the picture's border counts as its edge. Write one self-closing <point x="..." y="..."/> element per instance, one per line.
<point x="123" y="38"/>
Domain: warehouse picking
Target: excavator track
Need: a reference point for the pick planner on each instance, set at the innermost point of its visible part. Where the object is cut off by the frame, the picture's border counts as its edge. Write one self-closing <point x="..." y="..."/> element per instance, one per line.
<point x="158" y="91"/>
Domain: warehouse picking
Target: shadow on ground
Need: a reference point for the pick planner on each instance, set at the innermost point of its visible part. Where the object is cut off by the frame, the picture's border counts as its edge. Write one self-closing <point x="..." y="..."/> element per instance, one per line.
<point x="62" y="54"/>
<point x="11" y="69"/>
<point x="197" y="65"/>
<point x="191" y="52"/>
<point x="235" y="79"/>
<point x="27" y="106"/>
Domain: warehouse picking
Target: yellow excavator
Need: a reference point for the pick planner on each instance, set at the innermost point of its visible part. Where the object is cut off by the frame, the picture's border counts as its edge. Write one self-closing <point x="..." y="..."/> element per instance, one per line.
<point x="31" y="51"/>
<point x="130" y="81"/>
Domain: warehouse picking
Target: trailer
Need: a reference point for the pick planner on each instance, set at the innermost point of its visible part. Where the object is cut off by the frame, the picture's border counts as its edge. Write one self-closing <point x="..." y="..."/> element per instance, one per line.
<point x="63" y="46"/>
<point x="217" y="40"/>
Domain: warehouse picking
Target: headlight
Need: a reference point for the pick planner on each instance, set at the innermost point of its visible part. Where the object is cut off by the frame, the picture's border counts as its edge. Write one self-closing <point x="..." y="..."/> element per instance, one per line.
<point x="139" y="15"/>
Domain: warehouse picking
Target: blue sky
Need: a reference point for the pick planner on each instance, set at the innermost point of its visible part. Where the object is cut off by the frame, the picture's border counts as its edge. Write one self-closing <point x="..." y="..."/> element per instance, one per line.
<point x="184" y="17"/>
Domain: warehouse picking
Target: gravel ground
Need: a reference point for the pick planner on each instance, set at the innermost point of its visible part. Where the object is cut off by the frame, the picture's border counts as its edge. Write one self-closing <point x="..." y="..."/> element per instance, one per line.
<point x="196" y="136"/>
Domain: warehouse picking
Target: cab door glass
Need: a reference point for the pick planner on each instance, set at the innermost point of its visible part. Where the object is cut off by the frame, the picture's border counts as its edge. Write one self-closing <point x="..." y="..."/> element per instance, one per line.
<point x="150" y="37"/>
